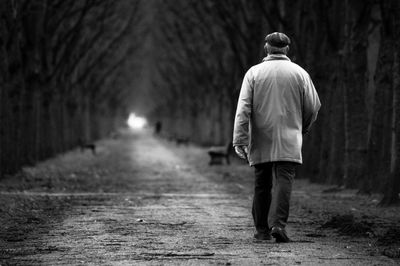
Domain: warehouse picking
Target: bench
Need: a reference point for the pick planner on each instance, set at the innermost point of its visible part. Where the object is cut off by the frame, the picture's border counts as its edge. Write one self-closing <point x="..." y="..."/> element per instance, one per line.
<point x="83" y="145"/>
<point x="182" y="141"/>
<point x="220" y="153"/>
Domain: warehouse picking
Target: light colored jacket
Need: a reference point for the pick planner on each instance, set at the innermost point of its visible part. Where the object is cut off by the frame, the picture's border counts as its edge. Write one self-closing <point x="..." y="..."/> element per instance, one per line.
<point x="277" y="105"/>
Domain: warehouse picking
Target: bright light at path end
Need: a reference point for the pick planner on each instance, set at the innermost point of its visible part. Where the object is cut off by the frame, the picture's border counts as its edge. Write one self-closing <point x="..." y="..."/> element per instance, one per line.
<point x="136" y="122"/>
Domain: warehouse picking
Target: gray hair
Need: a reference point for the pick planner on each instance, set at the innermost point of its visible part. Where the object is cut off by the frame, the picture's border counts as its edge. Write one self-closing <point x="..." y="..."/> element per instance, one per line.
<point x="276" y="50"/>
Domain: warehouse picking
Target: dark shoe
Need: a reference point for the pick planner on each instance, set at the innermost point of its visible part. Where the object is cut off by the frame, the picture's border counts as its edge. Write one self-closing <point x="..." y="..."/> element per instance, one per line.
<point x="280" y="235"/>
<point x="262" y="236"/>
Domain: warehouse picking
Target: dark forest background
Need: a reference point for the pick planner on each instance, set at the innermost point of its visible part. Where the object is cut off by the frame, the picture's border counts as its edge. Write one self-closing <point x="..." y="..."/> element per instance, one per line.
<point x="73" y="70"/>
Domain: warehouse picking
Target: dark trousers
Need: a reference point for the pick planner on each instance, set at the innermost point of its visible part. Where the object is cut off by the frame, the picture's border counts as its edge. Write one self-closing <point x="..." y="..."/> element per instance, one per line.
<point x="273" y="205"/>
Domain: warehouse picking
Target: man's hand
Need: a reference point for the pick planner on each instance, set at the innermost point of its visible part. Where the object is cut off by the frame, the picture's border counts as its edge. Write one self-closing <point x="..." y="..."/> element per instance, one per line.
<point x="242" y="151"/>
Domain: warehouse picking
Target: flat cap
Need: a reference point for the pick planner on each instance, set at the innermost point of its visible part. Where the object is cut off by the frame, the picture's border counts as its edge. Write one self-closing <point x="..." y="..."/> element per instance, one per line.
<point x="277" y="39"/>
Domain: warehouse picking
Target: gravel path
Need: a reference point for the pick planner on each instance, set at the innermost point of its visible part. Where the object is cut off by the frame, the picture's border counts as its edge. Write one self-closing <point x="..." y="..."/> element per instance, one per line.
<point x="145" y="201"/>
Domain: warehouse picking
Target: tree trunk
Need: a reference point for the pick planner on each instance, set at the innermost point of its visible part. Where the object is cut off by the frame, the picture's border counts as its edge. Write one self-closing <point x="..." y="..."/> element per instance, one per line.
<point x="355" y="62"/>
<point x="391" y="194"/>
<point x="379" y="130"/>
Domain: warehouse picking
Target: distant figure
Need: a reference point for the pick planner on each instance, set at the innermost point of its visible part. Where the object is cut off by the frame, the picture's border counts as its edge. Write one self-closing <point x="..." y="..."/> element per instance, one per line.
<point x="157" y="128"/>
<point x="279" y="103"/>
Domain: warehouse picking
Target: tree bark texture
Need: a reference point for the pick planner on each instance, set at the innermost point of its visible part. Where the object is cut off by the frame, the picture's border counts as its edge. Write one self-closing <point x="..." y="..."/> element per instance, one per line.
<point x="45" y="48"/>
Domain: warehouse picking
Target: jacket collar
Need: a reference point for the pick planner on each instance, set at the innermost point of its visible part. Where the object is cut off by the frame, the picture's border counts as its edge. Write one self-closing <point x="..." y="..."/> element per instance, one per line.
<point x="271" y="57"/>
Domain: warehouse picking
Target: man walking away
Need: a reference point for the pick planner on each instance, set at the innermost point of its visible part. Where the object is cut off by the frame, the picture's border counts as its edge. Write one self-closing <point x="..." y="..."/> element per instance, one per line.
<point x="277" y="106"/>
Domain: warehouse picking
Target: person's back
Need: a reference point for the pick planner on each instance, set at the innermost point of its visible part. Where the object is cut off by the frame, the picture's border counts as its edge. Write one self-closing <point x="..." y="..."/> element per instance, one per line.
<point x="277" y="105"/>
<point x="276" y="119"/>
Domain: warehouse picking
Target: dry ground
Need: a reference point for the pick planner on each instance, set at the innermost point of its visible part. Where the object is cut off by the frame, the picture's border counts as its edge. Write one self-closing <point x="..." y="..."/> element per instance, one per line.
<point x="146" y="201"/>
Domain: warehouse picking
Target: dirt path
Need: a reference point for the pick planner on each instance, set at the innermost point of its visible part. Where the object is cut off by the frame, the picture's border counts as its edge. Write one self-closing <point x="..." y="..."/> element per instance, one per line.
<point x="142" y="200"/>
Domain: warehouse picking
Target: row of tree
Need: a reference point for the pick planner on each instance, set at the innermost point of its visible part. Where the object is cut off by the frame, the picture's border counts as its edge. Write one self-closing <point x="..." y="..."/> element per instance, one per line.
<point x="350" y="48"/>
<point x="64" y="74"/>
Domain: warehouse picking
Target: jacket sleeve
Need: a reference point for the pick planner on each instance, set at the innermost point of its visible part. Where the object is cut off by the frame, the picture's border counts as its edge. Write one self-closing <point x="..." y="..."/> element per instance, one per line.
<point x="243" y="112"/>
<point x="311" y="104"/>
